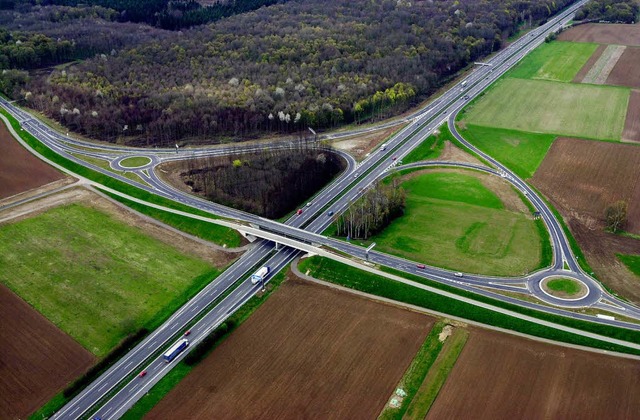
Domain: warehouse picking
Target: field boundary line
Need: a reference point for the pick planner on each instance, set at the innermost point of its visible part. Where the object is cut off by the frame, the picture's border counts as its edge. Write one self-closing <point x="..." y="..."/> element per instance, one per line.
<point x="296" y="271"/>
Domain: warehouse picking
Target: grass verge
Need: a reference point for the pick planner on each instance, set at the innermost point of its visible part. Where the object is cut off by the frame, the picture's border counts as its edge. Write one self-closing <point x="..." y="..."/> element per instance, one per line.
<point x="567" y="286"/>
<point x="353" y="278"/>
<point x="166" y="384"/>
<point x="416" y="372"/>
<point x="437" y="375"/>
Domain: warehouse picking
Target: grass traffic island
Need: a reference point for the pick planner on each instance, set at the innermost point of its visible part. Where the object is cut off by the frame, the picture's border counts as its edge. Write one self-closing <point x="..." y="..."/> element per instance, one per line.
<point x="564" y="288"/>
<point x="135" y="162"/>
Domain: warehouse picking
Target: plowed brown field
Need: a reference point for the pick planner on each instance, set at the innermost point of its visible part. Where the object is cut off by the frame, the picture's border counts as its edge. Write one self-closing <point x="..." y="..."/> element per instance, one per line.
<point x="20" y="171"/>
<point x="587" y="176"/>
<point x="632" y="123"/>
<point x="38" y="359"/>
<point x="603" y="33"/>
<point x="499" y="376"/>
<point x="627" y="70"/>
<point x="308" y="352"/>
<point x="581" y="178"/>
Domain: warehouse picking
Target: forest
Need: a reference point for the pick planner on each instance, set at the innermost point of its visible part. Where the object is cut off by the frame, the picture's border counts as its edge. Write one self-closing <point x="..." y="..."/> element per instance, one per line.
<point x="276" y="69"/>
<point x="625" y="11"/>
<point x="270" y="183"/>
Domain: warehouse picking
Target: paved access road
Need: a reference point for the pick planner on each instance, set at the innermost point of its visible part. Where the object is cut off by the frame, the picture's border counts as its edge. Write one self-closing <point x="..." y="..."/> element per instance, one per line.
<point x="335" y="197"/>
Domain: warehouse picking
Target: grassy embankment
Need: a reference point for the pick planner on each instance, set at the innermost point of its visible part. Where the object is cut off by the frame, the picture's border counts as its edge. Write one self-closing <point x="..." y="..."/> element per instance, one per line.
<point x="215" y="233"/>
<point x="329" y="270"/>
<point x="166" y="384"/>
<point x="453" y="221"/>
<point x="631" y="261"/>
<point x="95" y="277"/>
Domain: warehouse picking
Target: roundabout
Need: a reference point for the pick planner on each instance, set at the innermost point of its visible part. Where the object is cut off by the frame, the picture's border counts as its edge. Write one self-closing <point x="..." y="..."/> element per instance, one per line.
<point x="564" y="288"/>
<point x="128" y="163"/>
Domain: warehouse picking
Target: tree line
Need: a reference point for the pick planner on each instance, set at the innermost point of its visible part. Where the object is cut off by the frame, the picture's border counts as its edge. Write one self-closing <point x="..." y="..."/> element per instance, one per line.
<point x="270" y="183"/>
<point x="277" y="69"/>
<point x="625" y="11"/>
<point x="372" y="212"/>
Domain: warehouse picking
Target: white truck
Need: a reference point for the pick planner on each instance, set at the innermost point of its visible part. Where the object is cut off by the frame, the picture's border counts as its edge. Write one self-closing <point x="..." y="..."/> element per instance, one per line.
<point x="260" y="275"/>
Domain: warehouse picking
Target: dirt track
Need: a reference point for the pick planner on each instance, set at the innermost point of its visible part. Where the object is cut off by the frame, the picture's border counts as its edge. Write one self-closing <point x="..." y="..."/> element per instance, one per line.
<point x="19" y="170"/>
<point x="38" y="360"/>
<point x="603" y="33"/>
<point x="308" y="352"/>
<point x="632" y="123"/>
<point x="499" y="376"/>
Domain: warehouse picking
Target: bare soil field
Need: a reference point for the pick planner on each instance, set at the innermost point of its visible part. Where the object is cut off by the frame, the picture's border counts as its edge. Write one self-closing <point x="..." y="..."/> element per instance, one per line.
<point x="499" y="376"/>
<point x="631" y="131"/>
<point x="603" y="33"/>
<point x="627" y="70"/>
<point x="589" y="64"/>
<point x="308" y="352"/>
<point x="19" y="170"/>
<point x="581" y="178"/>
<point x="586" y="177"/>
<point x="360" y="146"/>
<point x="38" y="359"/>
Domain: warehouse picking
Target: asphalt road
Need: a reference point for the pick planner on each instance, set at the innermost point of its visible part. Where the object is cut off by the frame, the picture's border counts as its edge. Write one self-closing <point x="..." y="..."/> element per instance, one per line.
<point x="147" y="355"/>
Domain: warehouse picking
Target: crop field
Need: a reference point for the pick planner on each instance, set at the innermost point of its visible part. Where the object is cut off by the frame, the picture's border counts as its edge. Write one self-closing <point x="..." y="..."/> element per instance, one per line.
<point x="625" y="72"/>
<point x="94" y="276"/>
<point x="38" y="359"/>
<point x="589" y="64"/>
<point x="618" y="34"/>
<point x="499" y="376"/>
<point x="632" y="262"/>
<point x="557" y="61"/>
<point x="581" y="178"/>
<point x="463" y="221"/>
<point x="307" y="352"/>
<point x="551" y="107"/>
<point x="20" y="171"/>
<point x="631" y="131"/>
<point x="601" y="69"/>
<point x="522" y="152"/>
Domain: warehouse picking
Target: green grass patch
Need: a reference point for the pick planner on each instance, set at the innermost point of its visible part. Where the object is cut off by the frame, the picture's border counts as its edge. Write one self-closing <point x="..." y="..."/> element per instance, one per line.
<point x="101" y="163"/>
<point x="106" y="180"/>
<point x="589" y="111"/>
<point x="416" y="372"/>
<point x="181" y="370"/>
<point x="134" y="162"/>
<point x="338" y="273"/>
<point x="567" y="286"/>
<point x="438" y="374"/>
<point x="631" y="261"/>
<point x="203" y="230"/>
<point x="520" y="151"/>
<point x="430" y="148"/>
<point x="558" y="61"/>
<point x="452" y="220"/>
<point x="93" y="276"/>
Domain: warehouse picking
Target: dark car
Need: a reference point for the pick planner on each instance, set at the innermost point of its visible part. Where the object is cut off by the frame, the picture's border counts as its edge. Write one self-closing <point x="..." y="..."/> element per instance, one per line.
<point x="143" y="374"/>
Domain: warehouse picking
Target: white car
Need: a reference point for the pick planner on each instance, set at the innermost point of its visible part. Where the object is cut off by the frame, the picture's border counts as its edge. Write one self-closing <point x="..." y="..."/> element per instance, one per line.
<point x="458" y="274"/>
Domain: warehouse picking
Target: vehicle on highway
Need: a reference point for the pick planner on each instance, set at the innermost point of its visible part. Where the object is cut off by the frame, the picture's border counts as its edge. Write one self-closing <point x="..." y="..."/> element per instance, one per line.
<point x="330" y="213"/>
<point x="309" y="204"/>
<point x="394" y="158"/>
<point x="260" y="275"/>
<point x="142" y="374"/>
<point x="458" y="274"/>
<point x="299" y="212"/>
<point x="421" y="266"/>
<point x="186" y="333"/>
<point x="175" y="350"/>
<point x="384" y="146"/>
<point x="355" y="174"/>
<point x="463" y="84"/>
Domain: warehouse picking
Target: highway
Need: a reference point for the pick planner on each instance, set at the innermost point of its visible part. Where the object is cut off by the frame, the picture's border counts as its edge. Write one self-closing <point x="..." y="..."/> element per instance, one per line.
<point x="308" y="227"/>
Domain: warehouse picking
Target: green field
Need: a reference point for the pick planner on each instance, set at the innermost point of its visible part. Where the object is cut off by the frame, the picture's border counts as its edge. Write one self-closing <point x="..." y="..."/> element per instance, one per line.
<point x="568" y="109"/>
<point x="558" y="61"/>
<point x="567" y="286"/>
<point x="453" y="221"/>
<point x="520" y="151"/>
<point x="95" y="277"/>
<point x="134" y="162"/>
<point x="632" y="262"/>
